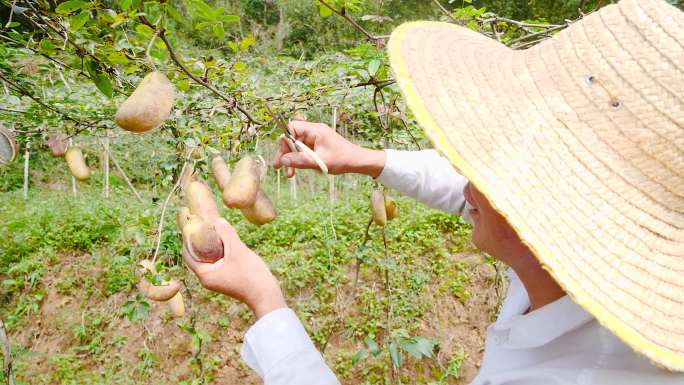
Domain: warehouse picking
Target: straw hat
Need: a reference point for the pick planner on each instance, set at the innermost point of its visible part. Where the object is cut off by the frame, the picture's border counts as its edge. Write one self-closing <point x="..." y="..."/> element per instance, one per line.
<point x="579" y="143"/>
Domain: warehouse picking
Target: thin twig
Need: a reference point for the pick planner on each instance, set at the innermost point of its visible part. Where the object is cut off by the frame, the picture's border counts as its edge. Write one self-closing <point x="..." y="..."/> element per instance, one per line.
<point x="160" y="227"/>
<point x="369" y="36"/>
<point x="123" y="174"/>
<point x="9" y="21"/>
<point x="446" y="12"/>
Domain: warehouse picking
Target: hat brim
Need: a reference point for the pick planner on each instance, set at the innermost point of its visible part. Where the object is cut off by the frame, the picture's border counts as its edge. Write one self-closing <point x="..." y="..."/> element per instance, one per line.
<point x="496" y="115"/>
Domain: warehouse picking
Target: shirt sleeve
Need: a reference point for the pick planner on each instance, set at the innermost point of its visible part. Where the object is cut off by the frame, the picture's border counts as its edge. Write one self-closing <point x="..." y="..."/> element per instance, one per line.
<point x="427" y="177"/>
<point x="279" y="350"/>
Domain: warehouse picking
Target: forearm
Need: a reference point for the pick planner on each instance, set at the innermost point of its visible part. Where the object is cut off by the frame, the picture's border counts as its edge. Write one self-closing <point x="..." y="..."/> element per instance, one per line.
<point x="278" y="348"/>
<point x="365" y="161"/>
<point x="427" y="177"/>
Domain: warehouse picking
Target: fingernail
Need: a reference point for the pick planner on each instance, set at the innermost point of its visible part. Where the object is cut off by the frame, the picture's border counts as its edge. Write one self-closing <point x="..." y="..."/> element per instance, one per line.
<point x="285" y="161"/>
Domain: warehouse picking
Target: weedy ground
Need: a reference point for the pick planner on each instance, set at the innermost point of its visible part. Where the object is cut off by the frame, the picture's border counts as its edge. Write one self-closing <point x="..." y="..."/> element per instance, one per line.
<point x="416" y="314"/>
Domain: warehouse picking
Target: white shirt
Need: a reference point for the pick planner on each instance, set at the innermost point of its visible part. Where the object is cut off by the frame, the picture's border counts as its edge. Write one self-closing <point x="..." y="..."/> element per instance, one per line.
<point x="558" y="344"/>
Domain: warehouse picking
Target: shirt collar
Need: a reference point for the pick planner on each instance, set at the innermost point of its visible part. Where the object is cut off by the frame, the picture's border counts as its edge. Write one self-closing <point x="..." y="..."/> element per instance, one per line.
<point x="545" y="324"/>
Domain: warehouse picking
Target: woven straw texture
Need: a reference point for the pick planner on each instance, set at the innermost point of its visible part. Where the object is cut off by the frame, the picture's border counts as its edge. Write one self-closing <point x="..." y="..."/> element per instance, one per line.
<point x="579" y="143"/>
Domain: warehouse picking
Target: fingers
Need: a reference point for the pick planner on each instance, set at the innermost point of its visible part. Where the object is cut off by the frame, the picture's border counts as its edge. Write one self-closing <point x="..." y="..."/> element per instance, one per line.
<point x="283" y="148"/>
<point x="298" y="160"/>
<point x="231" y="239"/>
<point x="192" y="264"/>
<point x="307" y="132"/>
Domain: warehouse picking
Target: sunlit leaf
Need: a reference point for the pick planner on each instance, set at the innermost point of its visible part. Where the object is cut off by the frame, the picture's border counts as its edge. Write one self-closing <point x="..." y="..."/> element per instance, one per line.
<point x="117" y="58"/>
<point x="70" y="6"/>
<point x="324" y="11"/>
<point x="247" y="42"/>
<point x="218" y="31"/>
<point x="78" y="21"/>
<point x="373" y="66"/>
<point x="125" y="4"/>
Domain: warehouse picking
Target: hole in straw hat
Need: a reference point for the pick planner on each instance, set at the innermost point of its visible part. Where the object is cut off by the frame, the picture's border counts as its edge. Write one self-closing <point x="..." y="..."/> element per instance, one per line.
<point x="615" y="104"/>
<point x="591" y="79"/>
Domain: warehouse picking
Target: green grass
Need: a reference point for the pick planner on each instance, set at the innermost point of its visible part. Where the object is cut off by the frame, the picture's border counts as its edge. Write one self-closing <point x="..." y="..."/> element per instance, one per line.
<point x="87" y="246"/>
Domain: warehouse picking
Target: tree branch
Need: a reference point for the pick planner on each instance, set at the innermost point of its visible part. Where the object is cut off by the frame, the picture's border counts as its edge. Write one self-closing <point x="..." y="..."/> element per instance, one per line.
<point x="372" y="38"/>
<point x="28" y="94"/>
<point x="232" y="102"/>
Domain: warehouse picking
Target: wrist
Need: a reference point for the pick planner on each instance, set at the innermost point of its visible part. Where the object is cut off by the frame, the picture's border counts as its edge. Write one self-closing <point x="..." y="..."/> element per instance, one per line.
<point x="366" y="161"/>
<point x="266" y="301"/>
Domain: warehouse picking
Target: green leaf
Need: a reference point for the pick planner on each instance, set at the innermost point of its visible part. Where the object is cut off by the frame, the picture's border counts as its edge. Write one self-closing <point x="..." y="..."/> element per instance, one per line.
<point x="233" y="46"/>
<point x="103" y="84"/>
<point x="118" y="58"/>
<point x="46" y="44"/>
<point x="247" y="42"/>
<point x="358" y="356"/>
<point x="218" y="31"/>
<point x="70" y="6"/>
<point x="373" y="347"/>
<point x="183" y="85"/>
<point x="395" y="354"/>
<point x="425" y="346"/>
<point x="125" y="4"/>
<point x="324" y="11"/>
<point x="175" y="15"/>
<point x="230" y="18"/>
<point x="373" y="66"/>
<point x="78" y="21"/>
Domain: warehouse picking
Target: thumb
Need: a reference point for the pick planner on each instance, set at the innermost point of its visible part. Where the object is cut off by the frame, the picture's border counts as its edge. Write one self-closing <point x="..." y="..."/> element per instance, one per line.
<point x="298" y="160"/>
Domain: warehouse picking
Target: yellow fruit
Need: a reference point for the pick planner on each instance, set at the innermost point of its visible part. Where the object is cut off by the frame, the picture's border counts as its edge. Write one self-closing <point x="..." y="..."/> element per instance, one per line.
<point x="76" y="162"/>
<point x="221" y="172"/>
<point x="57" y="142"/>
<point x="176" y="305"/>
<point x="243" y="186"/>
<point x="182" y="217"/>
<point x="378" y="207"/>
<point x="202" y="241"/>
<point x="163" y="292"/>
<point x="262" y="211"/>
<point x="148" y="106"/>
<point x="201" y="201"/>
<point x="390" y="208"/>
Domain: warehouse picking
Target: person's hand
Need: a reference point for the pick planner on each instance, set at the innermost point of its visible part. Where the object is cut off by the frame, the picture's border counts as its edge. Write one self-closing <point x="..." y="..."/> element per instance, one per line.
<point x="340" y="155"/>
<point x="240" y="274"/>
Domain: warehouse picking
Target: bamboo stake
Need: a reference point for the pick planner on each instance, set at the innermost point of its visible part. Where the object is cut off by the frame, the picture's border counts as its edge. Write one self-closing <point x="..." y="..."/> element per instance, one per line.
<point x="293" y="187"/>
<point x="106" y="164"/>
<point x="73" y="179"/>
<point x="278" y="185"/>
<point x="26" y="170"/>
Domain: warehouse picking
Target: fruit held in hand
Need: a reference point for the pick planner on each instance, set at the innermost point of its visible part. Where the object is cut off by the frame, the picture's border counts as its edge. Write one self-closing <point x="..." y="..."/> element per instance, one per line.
<point x="378" y="207"/>
<point x="57" y="143"/>
<point x="76" y="162"/>
<point x="148" y="106"/>
<point x="241" y="191"/>
<point x="176" y="305"/>
<point x="390" y="208"/>
<point x="201" y="201"/>
<point x="202" y="241"/>
<point x="262" y="211"/>
<point x="221" y="172"/>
